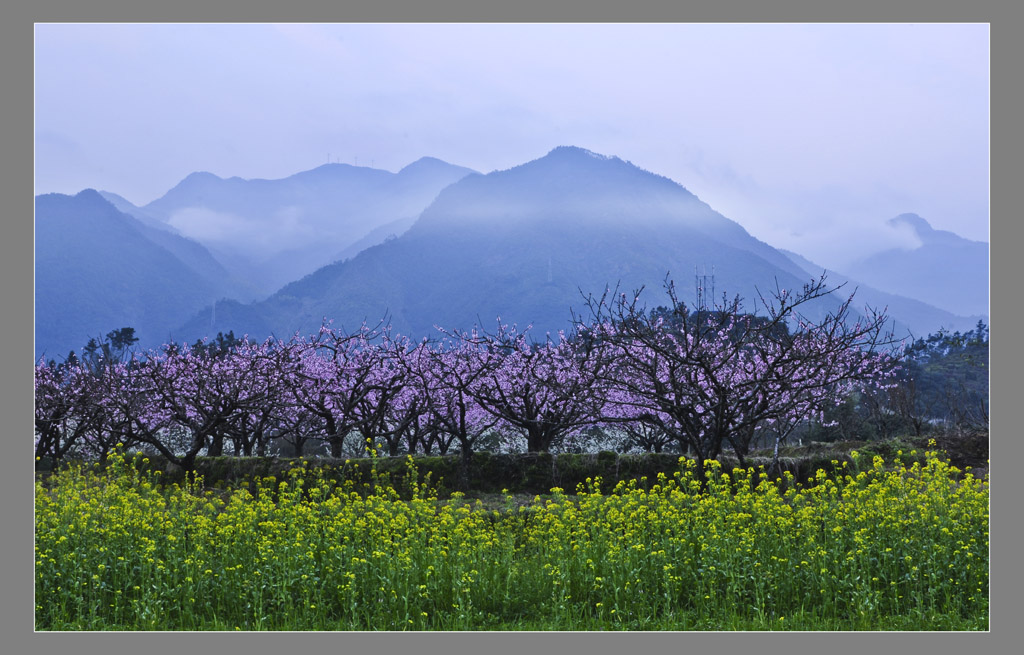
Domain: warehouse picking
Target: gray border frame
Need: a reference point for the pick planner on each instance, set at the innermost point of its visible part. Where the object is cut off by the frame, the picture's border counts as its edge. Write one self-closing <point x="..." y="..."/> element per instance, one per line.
<point x="16" y="184"/>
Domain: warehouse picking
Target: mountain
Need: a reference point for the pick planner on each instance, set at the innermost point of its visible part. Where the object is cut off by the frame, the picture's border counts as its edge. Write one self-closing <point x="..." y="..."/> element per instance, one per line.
<point x="122" y="204"/>
<point x="945" y="270"/>
<point x="522" y="244"/>
<point x="379" y="235"/>
<point x="271" y="232"/>
<point x="920" y="318"/>
<point x="99" y="269"/>
<point x="190" y="252"/>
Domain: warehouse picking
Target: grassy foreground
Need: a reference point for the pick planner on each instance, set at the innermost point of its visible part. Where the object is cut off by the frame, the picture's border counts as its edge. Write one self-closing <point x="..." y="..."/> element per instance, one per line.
<point x="870" y="547"/>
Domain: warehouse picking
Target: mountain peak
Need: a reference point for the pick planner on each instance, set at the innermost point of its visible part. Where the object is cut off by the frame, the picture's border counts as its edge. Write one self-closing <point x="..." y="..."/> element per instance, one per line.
<point x="432" y="167"/>
<point x="424" y="162"/>
<point x="90" y="194"/>
<point x="330" y="171"/>
<point x="201" y="176"/>
<point x="942" y="268"/>
<point x="86" y="199"/>
<point x="199" y="180"/>
<point x="920" y="225"/>
<point x="576" y="152"/>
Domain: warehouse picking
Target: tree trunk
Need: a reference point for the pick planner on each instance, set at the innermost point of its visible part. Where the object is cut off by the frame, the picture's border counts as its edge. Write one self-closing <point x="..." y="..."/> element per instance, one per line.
<point x="216" y="448"/>
<point x="775" y="469"/>
<point x="465" y="461"/>
<point x="537" y="441"/>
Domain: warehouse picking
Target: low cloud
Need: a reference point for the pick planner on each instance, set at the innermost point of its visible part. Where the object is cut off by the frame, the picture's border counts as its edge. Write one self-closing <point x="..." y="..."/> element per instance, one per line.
<point x="902" y="236"/>
<point x="259" y="237"/>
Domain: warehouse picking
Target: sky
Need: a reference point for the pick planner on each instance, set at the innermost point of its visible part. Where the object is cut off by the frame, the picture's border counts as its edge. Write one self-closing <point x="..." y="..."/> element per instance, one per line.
<point x="811" y="136"/>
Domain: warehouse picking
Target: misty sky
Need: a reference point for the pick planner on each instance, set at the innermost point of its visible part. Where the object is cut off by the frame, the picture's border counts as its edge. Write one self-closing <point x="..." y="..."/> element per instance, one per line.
<point x="810" y="136"/>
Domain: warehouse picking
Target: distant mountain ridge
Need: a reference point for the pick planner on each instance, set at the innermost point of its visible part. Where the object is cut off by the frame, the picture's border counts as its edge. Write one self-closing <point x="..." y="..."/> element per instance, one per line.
<point x="921" y="318"/>
<point x="272" y="232"/>
<point x="522" y="244"/>
<point x="946" y="270"/>
<point x="572" y="183"/>
<point x="122" y="204"/>
<point x="99" y="269"/>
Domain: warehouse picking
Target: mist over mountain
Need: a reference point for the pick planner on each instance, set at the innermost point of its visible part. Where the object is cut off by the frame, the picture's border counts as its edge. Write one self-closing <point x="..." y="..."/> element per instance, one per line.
<point x="99" y="269"/>
<point x="920" y="318"/>
<point x="522" y="244"/>
<point x="191" y="253"/>
<point x="272" y="232"/>
<point x="122" y="204"/>
<point x="379" y="235"/>
<point x="945" y="270"/>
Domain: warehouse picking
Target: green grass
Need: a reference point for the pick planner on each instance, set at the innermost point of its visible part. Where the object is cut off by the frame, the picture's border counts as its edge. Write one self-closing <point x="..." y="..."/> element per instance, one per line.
<point x="874" y="546"/>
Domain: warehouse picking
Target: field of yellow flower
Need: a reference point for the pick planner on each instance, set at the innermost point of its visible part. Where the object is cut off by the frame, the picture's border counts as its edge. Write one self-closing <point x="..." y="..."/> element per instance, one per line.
<point x="868" y="547"/>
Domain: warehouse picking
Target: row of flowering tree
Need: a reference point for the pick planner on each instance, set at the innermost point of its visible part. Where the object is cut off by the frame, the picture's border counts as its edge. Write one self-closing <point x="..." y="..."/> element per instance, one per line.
<point x="716" y="380"/>
<point x="706" y="381"/>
